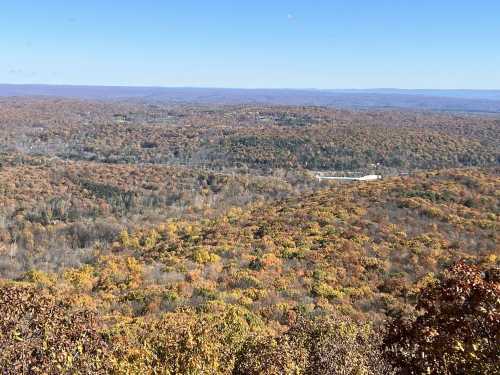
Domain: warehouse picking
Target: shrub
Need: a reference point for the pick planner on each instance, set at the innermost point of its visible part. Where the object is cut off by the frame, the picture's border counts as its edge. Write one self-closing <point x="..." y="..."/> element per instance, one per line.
<point x="181" y="343"/>
<point x="456" y="329"/>
<point x="331" y="345"/>
<point x="41" y="335"/>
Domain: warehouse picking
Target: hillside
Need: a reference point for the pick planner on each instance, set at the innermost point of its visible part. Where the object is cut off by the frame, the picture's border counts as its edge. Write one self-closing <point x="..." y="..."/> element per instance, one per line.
<point x="53" y="212"/>
<point x="359" y="248"/>
<point x="253" y="137"/>
<point x="153" y="238"/>
<point x="250" y="188"/>
<point x="342" y="256"/>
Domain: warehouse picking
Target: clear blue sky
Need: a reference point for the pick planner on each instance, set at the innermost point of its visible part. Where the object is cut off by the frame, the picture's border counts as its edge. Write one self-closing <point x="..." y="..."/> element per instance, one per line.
<point x="252" y="43"/>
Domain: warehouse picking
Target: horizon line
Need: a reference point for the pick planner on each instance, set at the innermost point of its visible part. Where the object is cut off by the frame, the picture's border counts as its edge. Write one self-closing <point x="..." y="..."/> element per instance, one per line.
<point x="245" y="88"/>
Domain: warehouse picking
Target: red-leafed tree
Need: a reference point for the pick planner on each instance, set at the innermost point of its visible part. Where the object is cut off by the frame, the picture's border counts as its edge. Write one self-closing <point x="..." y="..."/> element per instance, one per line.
<point x="457" y="330"/>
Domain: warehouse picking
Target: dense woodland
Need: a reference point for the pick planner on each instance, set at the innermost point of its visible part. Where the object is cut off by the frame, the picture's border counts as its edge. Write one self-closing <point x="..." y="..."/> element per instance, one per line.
<point x="258" y="137"/>
<point x="140" y="238"/>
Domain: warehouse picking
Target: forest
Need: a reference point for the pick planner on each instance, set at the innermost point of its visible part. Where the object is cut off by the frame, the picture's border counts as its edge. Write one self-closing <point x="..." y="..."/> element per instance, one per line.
<point x="151" y="238"/>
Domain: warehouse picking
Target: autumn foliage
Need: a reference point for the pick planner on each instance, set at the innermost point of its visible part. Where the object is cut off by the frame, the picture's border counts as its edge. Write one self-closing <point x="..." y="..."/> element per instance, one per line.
<point x="140" y="238"/>
<point x="457" y="326"/>
<point x="42" y="335"/>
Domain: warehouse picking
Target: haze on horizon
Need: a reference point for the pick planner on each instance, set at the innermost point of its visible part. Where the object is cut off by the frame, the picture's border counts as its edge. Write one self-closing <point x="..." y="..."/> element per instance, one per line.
<point x="284" y="44"/>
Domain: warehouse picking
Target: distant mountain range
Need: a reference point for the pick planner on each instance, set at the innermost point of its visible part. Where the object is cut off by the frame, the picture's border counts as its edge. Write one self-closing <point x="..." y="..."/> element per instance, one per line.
<point x="484" y="101"/>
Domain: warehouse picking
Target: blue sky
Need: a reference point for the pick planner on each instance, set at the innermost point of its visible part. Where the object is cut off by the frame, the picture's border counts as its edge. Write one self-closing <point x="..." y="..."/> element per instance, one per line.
<point x="275" y="44"/>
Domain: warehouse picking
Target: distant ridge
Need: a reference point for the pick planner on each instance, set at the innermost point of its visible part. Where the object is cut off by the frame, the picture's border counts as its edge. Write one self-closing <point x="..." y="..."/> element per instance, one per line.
<point x="456" y="93"/>
<point x="486" y="101"/>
